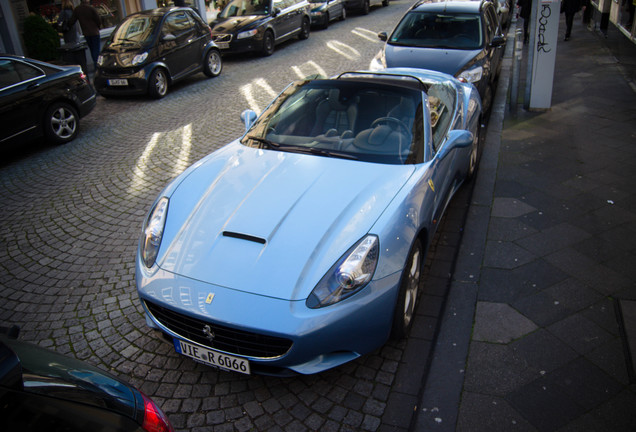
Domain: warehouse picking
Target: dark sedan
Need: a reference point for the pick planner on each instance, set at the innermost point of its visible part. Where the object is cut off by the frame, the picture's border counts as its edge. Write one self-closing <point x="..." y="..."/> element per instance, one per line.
<point x="460" y="38"/>
<point x="324" y="11"/>
<point x="260" y="25"/>
<point x="150" y="50"/>
<point x="44" y="391"/>
<point x="41" y="99"/>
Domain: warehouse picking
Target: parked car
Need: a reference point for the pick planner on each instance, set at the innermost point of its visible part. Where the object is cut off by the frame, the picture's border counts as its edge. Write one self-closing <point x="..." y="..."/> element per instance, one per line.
<point x="364" y="6"/>
<point x="42" y="99"/>
<point x="324" y="11"/>
<point x="41" y="390"/>
<point x="151" y="50"/>
<point x="460" y="38"/>
<point x="300" y="246"/>
<point x="261" y="25"/>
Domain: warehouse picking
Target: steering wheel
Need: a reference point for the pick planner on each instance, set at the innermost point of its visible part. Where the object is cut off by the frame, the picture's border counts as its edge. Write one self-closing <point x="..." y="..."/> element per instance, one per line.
<point x="395" y="124"/>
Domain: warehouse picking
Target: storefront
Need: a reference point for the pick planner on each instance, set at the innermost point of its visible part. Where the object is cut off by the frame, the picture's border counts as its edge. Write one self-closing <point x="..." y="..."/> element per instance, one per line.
<point x="111" y="12"/>
<point x="618" y="12"/>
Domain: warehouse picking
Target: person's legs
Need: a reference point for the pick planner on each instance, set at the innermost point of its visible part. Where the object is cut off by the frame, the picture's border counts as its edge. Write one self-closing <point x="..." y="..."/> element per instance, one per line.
<point x="93" y="46"/>
<point x="569" y="19"/>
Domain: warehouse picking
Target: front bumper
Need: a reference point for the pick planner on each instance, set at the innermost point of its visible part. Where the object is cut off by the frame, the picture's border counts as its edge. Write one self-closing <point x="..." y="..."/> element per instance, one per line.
<point x="320" y="339"/>
<point x="232" y="45"/>
<point x="137" y="82"/>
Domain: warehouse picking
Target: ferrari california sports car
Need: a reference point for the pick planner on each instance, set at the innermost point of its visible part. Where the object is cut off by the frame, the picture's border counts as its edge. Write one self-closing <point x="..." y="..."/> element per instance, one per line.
<point x="299" y="246"/>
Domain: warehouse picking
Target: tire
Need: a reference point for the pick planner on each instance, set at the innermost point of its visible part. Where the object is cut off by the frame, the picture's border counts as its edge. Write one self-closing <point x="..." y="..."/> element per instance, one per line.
<point x="268" y="43"/>
<point x="158" y="84"/>
<point x="61" y="123"/>
<point x="365" y="7"/>
<point x="410" y="286"/>
<point x="213" y="63"/>
<point x="326" y="23"/>
<point x="474" y="155"/>
<point x="305" y="29"/>
<point x="343" y="15"/>
<point x="385" y="3"/>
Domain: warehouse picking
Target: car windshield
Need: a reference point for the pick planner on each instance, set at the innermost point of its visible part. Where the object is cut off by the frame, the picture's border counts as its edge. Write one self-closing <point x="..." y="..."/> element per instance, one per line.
<point x="246" y="7"/>
<point x="137" y="29"/>
<point x="439" y="30"/>
<point x="362" y="119"/>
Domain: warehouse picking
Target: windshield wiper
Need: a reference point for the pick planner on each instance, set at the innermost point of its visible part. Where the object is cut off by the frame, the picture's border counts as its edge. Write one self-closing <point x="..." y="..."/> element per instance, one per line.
<point x="323" y="152"/>
<point x="268" y="143"/>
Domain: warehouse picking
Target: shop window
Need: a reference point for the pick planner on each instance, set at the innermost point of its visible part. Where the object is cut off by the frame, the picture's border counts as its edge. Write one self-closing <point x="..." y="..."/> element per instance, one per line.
<point x="109" y="10"/>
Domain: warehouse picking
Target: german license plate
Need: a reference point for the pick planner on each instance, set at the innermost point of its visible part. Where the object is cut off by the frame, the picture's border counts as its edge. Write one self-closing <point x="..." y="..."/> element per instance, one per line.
<point x="223" y="45"/>
<point x="117" y="82"/>
<point x="212" y="357"/>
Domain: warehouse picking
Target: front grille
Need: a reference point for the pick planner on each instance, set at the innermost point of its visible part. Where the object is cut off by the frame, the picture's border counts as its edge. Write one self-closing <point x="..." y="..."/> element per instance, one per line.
<point x="229" y="340"/>
<point x="222" y="38"/>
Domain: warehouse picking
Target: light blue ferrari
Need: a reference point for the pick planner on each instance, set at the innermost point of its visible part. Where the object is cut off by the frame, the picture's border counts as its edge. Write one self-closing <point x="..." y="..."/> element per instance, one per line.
<point x="299" y="246"/>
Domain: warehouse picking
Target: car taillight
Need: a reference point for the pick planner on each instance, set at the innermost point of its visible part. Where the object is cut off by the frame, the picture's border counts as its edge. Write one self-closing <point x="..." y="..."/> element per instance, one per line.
<point x="83" y="77"/>
<point x="154" y="419"/>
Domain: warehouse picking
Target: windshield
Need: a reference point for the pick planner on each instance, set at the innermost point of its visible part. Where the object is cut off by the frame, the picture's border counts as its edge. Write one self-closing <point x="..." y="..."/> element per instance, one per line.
<point x="135" y="29"/>
<point x="365" y="120"/>
<point x="246" y="7"/>
<point x="439" y="30"/>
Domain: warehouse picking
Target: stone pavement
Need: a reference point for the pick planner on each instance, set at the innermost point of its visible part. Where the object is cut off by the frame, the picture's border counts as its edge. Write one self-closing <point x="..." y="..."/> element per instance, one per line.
<point x="533" y="335"/>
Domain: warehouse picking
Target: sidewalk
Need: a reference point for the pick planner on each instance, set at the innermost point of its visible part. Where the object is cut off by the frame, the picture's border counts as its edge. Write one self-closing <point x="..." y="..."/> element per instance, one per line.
<point x="535" y="332"/>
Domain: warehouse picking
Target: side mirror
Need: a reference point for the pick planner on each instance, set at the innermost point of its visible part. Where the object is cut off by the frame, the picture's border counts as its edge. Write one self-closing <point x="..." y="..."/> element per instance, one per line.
<point x="248" y="117"/>
<point x="276" y="12"/>
<point x="498" y="41"/>
<point x="456" y="139"/>
<point x="383" y="36"/>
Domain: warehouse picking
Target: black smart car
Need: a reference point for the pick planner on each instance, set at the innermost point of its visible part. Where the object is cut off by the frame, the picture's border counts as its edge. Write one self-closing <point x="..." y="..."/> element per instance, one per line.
<point x="150" y="50"/>
<point x="460" y="38"/>
<point x="259" y="25"/>
<point x="44" y="391"/>
<point x="38" y="98"/>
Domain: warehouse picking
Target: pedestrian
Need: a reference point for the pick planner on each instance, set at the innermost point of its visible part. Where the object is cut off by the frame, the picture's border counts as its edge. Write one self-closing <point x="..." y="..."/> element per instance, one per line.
<point x="570" y="8"/>
<point x="89" y="21"/>
<point x="525" y="7"/>
<point x="69" y="32"/>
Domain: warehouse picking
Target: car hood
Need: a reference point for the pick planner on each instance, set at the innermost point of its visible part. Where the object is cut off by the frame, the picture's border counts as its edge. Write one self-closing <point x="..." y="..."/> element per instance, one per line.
<point x="121" y="55"/>
<point x="228" y="25"/>
<point x="272" y="223"/>
<point x="450" y="61"/>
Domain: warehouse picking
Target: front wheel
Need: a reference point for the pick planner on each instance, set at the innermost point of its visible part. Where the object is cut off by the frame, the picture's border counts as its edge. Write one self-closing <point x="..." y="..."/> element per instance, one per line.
<point x="366" y="7"/>
<point x="213" y="64"/>
<point x="343" y="15"/>
<point x="385" y="3"/>
<point x="409" y="290"/>
<point x="474" y="155"/>
<point x="268" y="43"/>
<point x="304" y="29"/>
<point x="61" y="123"/>
<point x="158" y="84"/>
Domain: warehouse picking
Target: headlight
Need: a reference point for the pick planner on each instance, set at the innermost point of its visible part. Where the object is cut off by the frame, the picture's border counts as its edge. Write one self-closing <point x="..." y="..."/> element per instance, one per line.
<point x="378" y="62"/>
<point x="139" y="58"/>
<point x="246" y="34"/>
<point x="100" y="60"/>
<point x="153" y="232"/>
<point x="471" y="75"/>
<point x="348" y="276"/>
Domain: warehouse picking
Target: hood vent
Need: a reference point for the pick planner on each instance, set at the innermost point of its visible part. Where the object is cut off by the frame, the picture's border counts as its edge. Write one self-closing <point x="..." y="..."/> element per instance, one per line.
<point x="244" y="237"/>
